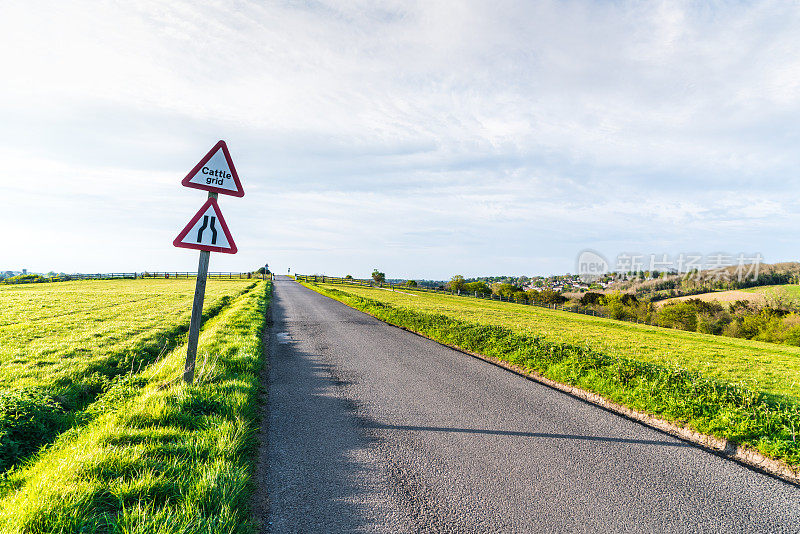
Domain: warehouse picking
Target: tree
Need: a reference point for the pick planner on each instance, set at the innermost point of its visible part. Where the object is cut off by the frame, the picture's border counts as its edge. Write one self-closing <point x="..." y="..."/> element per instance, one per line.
<point x="348" y="277"/>
<point x="477" y="287"/>
<point x="533" y="296"/>
<point x="549" y="296"/>
<point x="411" y="283"/>
<point x="678" y="315"/>
<point x="504" y="290"/>
<point x="456" y="283"/>
<point x="378" y="276"/>
<point x="261" y="270"/>
<point x="591" y="297"/>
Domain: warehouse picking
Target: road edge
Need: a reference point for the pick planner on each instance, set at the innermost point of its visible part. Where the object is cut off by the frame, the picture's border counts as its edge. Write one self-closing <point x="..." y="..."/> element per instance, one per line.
<point x="259" y="500"/>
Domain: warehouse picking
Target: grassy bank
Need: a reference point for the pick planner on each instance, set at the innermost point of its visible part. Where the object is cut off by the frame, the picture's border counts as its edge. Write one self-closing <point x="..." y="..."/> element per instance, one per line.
<point x="62" y="345"/>
<point x="763" y="420"/>
<point x="161" y="456"/>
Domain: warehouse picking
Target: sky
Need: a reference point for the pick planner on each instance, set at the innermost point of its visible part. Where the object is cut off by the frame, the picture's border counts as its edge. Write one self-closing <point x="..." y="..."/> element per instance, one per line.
<point x="425" y="139"/>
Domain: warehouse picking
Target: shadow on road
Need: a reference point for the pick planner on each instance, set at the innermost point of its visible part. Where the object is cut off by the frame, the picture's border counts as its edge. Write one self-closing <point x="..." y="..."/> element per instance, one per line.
<point x="376" y="425"/>
<point x="318" y="468"/>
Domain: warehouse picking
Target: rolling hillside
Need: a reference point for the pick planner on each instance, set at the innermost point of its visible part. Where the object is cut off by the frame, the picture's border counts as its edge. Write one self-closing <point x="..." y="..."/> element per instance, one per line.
<point x="786" y="294"/>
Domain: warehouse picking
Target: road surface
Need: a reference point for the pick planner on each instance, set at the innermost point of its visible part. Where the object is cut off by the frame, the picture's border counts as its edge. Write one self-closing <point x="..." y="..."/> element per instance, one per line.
<point x="373" y="429"/>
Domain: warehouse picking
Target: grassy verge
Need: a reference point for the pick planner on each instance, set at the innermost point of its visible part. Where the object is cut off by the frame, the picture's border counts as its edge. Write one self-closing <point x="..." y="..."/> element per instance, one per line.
<point x="42" y="400"/>
<point x="764" y="421"/>
<point x="761" y="366"/>
<point x="162" y="456"/>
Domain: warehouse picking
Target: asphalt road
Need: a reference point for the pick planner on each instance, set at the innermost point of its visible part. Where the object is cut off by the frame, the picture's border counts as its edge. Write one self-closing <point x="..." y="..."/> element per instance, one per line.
<point x="374" y="429"/>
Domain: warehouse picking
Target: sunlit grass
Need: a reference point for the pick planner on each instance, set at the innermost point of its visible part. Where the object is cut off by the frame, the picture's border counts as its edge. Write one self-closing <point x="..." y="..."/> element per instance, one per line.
<point x="62" y="344"/>
<point x="51" y="331"/>
<point x="788" y="292"/>
<point x="164" y="458"/>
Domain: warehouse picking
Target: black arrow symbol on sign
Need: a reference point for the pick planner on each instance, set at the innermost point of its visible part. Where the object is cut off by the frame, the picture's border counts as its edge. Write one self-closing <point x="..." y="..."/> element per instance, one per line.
<point x="205" y="225"/>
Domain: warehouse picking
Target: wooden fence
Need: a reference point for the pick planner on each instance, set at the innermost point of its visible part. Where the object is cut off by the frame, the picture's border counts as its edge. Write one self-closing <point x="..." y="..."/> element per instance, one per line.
<point x="171" y="275"/>
<point x="218" y="275"/>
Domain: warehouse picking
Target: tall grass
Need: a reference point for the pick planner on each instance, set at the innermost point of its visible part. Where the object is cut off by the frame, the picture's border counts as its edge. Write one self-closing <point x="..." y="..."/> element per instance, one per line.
<point x="764" y="421"/>
<point x="162" y="456"/>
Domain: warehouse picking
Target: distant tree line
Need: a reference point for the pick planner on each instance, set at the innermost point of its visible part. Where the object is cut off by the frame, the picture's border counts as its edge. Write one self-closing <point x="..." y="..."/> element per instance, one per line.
<point x="506" y="290"/>
<point x="777" y="321"/>
<point x="27" y="279"/>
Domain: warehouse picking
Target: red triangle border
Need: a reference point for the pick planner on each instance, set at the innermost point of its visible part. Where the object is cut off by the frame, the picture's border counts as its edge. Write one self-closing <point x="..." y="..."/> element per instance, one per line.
<point x="178" y="242"/>
<point x="196" y="169"/>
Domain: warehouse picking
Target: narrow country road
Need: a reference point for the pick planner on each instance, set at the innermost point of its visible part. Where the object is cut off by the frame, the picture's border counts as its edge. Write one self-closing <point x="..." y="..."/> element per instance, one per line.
<point x="374" y="429"/>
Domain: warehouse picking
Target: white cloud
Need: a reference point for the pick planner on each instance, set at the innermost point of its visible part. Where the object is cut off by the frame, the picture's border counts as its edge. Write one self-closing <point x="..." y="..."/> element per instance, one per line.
<point x="372" y="131"/>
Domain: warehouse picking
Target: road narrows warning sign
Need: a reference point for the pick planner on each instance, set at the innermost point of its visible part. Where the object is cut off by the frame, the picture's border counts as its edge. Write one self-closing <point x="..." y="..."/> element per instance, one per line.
<point x="207" y="230"/>
<point x="215" y="173"/>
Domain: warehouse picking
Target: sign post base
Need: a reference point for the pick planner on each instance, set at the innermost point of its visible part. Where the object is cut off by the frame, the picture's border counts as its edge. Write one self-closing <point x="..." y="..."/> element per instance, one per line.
<point x="197" y="312"/>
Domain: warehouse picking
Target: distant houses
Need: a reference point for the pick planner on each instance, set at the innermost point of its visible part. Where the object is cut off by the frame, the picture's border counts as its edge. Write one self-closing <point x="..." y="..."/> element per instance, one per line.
<point x="566" y="283"/>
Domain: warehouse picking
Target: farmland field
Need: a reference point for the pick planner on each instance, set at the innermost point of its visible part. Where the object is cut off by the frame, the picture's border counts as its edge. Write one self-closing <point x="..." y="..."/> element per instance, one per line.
<point x="762" y="366"/>
<point x="50" y="332"/>
<point x="159" y="455"/>
<point x="62" y="344"/>
<point x="757" y="295"/>
<point x="792" y="290"/>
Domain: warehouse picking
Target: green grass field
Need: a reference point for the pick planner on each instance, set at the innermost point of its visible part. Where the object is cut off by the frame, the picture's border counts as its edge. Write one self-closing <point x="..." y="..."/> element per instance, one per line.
<point x="160" y="456"/>
<point x="763" y="366"/>
<point x="63" y="344"/>
<point x="793" y="290"/>
<point x="50" y="332"/>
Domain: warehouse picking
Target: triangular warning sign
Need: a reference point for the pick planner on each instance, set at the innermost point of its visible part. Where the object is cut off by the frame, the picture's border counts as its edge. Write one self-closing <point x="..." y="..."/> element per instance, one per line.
<point x="216" y="173"/>
<point x="207" y="231"/>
